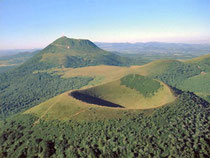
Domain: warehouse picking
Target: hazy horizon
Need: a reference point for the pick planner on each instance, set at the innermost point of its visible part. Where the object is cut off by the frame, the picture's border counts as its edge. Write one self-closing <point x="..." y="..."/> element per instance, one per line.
<point x="36" y="48"/>
<point x="34" y="24"/>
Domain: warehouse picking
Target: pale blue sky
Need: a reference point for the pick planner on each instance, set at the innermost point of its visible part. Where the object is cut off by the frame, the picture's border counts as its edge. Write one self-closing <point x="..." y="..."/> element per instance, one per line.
<point x="36" y="23"/>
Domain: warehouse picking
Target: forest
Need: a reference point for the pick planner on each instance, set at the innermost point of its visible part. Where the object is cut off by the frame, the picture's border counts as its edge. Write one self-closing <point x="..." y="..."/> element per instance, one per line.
<point x="19" y="94"/>
<point x="146" y="86"/>
<point x="178" y="130"/>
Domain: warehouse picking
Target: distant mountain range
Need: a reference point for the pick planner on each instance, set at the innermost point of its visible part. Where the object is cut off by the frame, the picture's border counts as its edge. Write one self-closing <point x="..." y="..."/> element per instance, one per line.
<point x="9" y="52"/>
<point x="156" y="48"/>
<point x="137" y="48"/>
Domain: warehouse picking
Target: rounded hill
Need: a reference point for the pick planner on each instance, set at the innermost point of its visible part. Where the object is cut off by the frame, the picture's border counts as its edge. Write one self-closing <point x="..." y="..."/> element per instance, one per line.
<point x="114" y="99"/>
<point x="132" y="91"/>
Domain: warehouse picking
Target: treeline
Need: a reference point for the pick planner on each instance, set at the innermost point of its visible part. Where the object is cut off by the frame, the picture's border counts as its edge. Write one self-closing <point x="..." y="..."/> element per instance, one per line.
<point x="179" y="130"/>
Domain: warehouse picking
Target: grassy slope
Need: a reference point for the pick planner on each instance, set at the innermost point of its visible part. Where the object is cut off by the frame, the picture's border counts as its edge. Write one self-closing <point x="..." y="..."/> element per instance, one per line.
<point x="109" y="73"/>
<point x="104" y="74"/>
<point x="200" y="84"/>
<point x="100" y="73"/>
<point x="130" y="98"/>
<point x="65" y="107"/>
<point x="199" y="59"/>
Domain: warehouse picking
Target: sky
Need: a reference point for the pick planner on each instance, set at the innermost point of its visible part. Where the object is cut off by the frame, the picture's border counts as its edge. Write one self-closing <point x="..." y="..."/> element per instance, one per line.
<point x="26" y="24"/>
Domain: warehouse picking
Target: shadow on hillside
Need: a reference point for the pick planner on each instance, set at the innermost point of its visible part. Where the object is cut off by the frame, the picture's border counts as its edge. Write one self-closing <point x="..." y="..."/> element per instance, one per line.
<point x="93" y="100"/>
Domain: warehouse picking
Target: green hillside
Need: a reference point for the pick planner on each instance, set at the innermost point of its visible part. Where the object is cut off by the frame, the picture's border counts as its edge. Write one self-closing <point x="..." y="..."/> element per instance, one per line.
<point x="121" y="93"/>
<point x="106" y="101"/>
<point x="130" y="106"/>
<point x="203" y="62"/>
<point x="68" y="52"/>
<point x="199" y="84"/>
<point x="136" y="106"/>
<point x="27" y="91"/>
<point x="174" y="72"/>
<point x="21" y="88"/>
<point x="178" y="130"/>
<point x="190" y="75"/>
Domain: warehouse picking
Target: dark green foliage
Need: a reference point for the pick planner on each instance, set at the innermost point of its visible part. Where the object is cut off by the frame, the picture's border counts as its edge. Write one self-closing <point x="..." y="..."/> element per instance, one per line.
<point x="144" y="85"/>
<point x="203" y="63"/>
<point x="23" y="92"/>
<point x="190" y="76"/>
<point x="34" y="64"/>
<point x="107" y="59"/>
<point x="177" y="72"/>
<point x="179" y="130"/>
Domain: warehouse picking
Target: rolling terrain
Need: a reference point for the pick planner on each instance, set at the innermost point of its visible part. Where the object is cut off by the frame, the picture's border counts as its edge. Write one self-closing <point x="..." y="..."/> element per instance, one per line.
<point x="188" y="75"/>
<point x="22" y="88"/>
<point x="108" y="100"/>
<point x="73" y="99"/>
<point x="172" y="72"/>
<point x="153" y="49"/>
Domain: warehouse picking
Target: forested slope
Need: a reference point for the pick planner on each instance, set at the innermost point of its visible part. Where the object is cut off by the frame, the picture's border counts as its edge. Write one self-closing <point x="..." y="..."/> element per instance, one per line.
<point x="179" y="130"/>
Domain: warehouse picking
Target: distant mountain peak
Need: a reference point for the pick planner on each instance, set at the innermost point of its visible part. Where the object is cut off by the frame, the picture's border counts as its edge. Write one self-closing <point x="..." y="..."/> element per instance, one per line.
<point x="74" y="43"/>
<point x="70" y="52"/>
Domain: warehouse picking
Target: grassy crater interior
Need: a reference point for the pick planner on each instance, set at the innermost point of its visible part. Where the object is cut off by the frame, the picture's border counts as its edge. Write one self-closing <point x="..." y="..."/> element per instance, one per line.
<point x="132" y="91"/>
